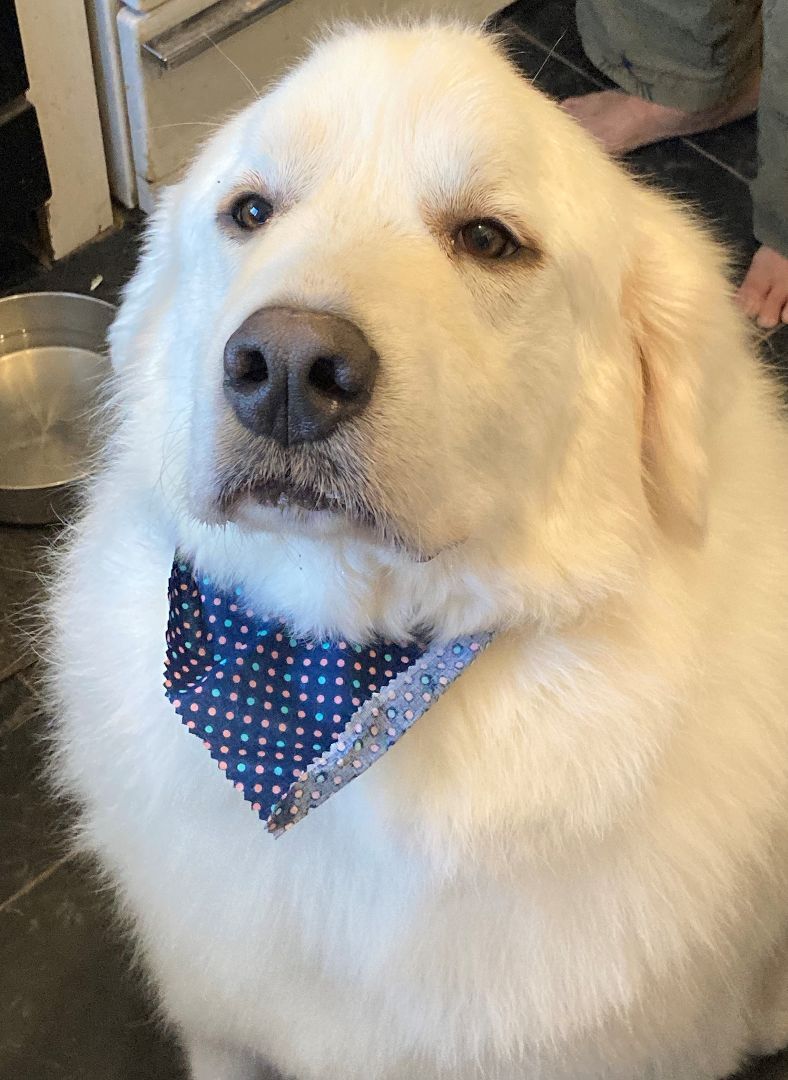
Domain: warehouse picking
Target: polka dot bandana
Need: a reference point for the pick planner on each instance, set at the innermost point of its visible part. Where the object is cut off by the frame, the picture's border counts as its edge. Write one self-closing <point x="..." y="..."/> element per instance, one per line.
<point x="291" y="721"/>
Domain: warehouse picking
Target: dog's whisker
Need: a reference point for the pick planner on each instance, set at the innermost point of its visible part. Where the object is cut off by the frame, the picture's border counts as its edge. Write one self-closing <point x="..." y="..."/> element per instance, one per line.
<point x="232" y="62"/>
<point x="548" y="57"/>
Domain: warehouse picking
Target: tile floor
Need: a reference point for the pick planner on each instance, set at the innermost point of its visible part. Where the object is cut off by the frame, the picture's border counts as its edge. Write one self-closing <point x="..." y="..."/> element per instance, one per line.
<point x="70" y="1008"/>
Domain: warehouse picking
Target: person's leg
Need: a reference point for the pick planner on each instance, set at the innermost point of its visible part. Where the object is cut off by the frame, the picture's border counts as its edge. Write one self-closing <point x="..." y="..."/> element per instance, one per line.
<point x="764" y="292"/>
<point x="683" y="66"/>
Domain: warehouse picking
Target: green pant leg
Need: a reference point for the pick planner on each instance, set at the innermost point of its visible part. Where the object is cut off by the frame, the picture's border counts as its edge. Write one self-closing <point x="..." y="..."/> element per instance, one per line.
<point x="691" y="54"/>
<point x="770" y="187"/>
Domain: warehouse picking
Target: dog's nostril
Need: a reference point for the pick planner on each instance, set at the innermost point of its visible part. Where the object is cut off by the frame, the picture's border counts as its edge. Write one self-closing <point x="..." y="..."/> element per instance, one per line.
<point x="251" y="368"/>
<point x="329" y="376"/>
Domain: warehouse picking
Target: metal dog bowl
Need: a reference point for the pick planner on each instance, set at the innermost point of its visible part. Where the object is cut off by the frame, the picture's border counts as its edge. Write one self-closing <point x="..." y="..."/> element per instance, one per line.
<point x="52" y="366"/>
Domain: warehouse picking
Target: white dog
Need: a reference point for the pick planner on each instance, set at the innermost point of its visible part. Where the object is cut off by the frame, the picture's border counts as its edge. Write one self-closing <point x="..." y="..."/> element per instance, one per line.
<point x="541" y="415"/>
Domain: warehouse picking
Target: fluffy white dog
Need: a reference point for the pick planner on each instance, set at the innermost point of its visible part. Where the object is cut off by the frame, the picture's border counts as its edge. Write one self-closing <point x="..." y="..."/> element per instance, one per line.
<point x="540" y="414"/>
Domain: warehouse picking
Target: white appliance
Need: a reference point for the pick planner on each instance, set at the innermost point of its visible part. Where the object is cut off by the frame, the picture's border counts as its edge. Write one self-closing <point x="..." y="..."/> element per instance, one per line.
<point x="167" y="70"/>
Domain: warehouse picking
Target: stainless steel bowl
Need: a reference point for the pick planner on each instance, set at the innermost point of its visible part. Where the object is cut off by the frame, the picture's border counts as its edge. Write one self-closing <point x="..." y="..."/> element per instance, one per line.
<point x="52" y="366"/>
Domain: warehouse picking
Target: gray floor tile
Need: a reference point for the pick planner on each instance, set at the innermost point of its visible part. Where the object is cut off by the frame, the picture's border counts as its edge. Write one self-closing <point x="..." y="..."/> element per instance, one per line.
<point x="32" y="825"/>
<point x="23" y="553"/>
<point x="71" y="1010"/>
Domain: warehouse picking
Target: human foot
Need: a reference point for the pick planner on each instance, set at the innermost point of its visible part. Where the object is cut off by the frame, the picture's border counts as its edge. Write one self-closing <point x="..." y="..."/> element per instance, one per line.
<point x="621" y="122"/>
<point x="763" y="295"/>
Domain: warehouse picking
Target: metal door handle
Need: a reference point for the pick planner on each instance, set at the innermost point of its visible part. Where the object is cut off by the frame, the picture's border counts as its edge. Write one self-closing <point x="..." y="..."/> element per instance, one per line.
<point x="217" y="22"/>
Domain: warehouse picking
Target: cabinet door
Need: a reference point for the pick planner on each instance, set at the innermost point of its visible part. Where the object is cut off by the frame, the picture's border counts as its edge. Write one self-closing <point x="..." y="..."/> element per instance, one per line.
<point x="13" y="76"/>
<point x="24" y="179"/>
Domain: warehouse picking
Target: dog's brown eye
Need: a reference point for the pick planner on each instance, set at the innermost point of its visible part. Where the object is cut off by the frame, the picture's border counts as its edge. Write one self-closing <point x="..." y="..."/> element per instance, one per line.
<point x="251" y="211"/>
<point x="486" y="239"/>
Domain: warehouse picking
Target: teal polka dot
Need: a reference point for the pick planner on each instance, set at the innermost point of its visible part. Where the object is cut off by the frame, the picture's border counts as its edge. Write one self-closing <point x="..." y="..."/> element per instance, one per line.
<point x="244" y="737"/>
<point x="285" y="710"/>
<point x="255" y="666"/>
<point x="288" y="677"/>
<point x="209" y="729"/>
<point x="278" y="770"/>
<point x="318" y="716"/>
<point x="321" y="679"/>
<point x="241" y="767"/>
<point x="250" y="701"/>
<point x="216" y="693"/>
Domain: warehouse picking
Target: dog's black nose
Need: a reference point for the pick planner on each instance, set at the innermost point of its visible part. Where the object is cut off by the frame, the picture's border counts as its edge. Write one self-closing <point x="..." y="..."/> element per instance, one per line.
<point x="296" y="375"/>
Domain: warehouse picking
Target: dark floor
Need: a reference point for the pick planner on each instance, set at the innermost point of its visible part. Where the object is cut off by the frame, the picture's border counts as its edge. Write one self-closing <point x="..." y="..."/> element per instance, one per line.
<point x="69" y="1009"/>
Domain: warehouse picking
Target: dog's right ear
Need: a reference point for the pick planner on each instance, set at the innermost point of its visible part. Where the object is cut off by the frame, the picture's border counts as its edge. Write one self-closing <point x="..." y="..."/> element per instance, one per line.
<point x="676" y="302"/>
<point x="148" y="295"/>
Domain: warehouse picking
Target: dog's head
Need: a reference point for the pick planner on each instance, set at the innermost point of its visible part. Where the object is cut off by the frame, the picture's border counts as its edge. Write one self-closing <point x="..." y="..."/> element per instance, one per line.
<point x="403" y="301"/>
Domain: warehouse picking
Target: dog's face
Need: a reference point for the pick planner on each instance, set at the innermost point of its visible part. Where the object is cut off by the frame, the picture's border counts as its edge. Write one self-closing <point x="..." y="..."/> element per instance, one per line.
<point x="394" y="293"/>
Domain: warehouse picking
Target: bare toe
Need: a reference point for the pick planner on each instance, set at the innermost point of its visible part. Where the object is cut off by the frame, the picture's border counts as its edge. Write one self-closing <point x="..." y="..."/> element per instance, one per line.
<point x="764" y="291"/>
<point x="770" y="310"/>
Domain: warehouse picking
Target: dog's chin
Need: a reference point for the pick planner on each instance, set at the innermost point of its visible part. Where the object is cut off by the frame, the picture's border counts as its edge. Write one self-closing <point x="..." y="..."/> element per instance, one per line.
<point x="272" y="509"/>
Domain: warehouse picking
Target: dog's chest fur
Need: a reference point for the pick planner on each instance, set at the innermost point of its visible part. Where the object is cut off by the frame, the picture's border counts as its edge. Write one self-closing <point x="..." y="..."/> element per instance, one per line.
<point x="459" y="960"/>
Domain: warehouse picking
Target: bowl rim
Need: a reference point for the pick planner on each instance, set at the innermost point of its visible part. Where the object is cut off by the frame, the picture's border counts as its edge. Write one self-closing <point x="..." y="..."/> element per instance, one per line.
<point x="39" y="293"/>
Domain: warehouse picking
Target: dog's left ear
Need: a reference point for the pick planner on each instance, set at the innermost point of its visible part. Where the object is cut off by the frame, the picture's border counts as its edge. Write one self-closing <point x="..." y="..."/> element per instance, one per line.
<point x="148" y="293"/>
<point x="672" y="298"/>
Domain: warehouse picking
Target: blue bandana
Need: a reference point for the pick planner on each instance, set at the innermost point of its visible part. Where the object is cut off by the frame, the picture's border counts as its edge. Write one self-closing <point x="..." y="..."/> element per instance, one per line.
<point x="291" y="721"/>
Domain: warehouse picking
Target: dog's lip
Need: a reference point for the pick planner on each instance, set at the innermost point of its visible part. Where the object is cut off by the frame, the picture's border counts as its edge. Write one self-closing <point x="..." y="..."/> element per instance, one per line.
<point x="284" y="495"/>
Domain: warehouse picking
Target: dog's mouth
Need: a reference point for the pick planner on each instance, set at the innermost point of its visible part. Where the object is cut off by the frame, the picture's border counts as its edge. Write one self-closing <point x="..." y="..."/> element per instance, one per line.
<point x="285" y="494"/>
<point x="318" y="489"/>
<point x="308" y="490"/>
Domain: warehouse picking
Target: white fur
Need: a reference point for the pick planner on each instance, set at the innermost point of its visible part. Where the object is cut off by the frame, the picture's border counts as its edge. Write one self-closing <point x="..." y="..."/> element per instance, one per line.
<point x="574" y="867"/>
